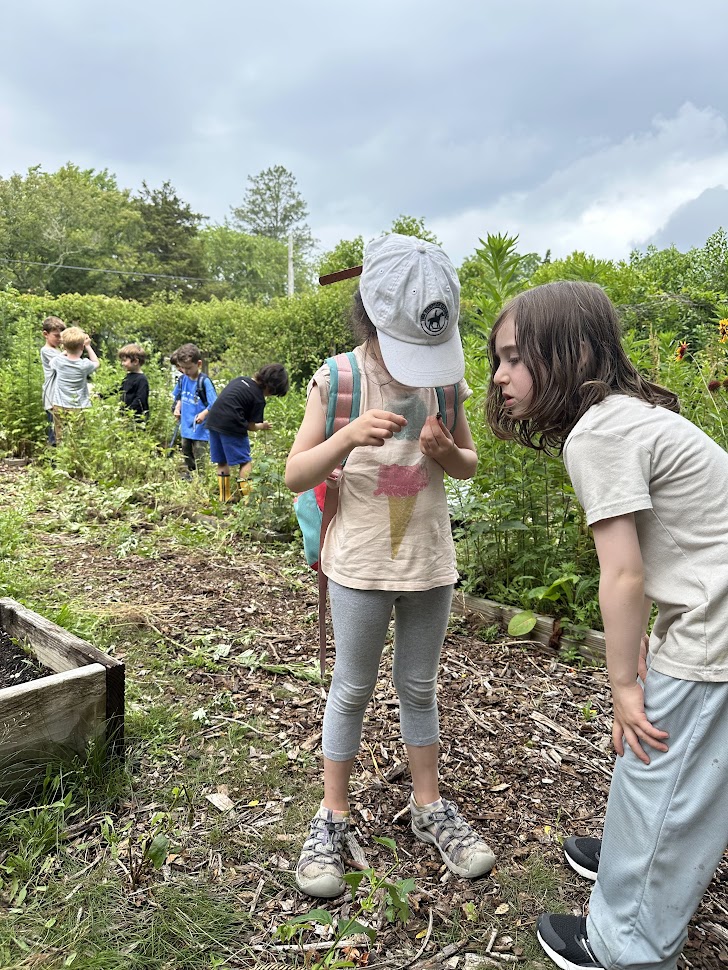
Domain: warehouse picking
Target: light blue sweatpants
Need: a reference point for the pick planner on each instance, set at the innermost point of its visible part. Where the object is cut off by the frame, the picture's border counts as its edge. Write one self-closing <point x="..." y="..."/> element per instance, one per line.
<point x="360" y="619"/>
<point x="665" y="830"/>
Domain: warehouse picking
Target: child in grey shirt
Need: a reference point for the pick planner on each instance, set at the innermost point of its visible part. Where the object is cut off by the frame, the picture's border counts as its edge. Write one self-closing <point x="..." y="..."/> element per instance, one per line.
<point x="69" y="387"/>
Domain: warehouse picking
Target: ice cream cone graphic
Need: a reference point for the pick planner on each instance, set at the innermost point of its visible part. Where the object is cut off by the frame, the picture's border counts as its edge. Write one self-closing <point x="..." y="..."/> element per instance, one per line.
<point x="400" y="513"/>
<point x="401" y="484"/>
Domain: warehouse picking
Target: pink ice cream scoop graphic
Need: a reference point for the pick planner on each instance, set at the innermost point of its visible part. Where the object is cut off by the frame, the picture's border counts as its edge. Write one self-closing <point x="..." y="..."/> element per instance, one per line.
<point x="401" y="484"/>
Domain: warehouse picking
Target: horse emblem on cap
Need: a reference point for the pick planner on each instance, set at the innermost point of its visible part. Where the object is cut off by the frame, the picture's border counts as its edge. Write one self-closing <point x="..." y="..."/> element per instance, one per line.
<point x="434" y="319"/>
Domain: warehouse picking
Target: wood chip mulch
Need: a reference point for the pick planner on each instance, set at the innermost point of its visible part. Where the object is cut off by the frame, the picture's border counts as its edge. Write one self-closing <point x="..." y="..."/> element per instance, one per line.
<point x="526" y="752"/>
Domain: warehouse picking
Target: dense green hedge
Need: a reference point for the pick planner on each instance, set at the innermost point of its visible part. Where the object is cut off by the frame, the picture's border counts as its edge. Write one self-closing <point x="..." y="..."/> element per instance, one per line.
<point x="299" y="331"/>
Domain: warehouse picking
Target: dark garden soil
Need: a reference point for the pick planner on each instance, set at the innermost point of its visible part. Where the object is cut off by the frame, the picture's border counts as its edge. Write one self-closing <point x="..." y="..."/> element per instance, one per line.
<point x="16" y="665"/>
<point x="526" y="751"/>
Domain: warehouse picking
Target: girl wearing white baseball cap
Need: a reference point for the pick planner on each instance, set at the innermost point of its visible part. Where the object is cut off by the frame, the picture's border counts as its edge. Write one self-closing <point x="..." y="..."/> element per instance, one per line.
<point x="389" y="547"/>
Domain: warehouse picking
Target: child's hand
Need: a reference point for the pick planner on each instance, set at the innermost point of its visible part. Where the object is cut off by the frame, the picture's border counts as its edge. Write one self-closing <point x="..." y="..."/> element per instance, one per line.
<point x="265" y="425"/>
<point x="631" y="724"/>
<point x="199" y="418"/>
<point x="374" y="427"/>
<point x="435" y="440"/>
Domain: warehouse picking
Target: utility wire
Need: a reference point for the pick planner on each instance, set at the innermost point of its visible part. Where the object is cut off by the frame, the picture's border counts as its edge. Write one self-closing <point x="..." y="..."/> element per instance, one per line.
<point x="261" y="284"/>
<point x="110" y="272"/>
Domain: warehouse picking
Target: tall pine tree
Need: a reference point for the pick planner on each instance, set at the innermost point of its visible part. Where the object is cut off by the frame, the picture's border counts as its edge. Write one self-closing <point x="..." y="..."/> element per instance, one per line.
<point x="173" y="247"/>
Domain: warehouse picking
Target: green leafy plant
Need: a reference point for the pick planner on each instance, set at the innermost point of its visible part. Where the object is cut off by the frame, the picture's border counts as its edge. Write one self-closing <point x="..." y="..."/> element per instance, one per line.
<point x="498" y="268"/>
<point x="304" y="671"/>
<point x="140" y="854"/>
<point x="490" y="633"/>
<point x="368" y="890"/>
<point x="560" y="589"/>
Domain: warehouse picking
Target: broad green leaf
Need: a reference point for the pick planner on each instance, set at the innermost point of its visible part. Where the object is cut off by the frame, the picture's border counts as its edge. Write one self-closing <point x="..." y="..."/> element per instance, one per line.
<point x="522" y="623"/>
<point x="158" y="849"/>
<point x="313" y="916"/>
<point x="351" y="926"/>
<point x="353" y="879"/>
<point x="386" y="841"/>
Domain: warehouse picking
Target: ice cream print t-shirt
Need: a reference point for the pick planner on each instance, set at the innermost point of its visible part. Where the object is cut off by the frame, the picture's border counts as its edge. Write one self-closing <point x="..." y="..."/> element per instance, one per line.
<point x="392" y="528"/>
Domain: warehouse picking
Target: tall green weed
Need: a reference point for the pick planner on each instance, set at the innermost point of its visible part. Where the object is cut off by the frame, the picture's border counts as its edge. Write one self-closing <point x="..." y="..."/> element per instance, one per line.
<point x="22" y="418"/>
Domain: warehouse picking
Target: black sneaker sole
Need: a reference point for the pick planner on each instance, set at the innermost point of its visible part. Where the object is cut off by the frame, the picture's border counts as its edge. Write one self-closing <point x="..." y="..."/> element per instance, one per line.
<point x="578" y="862"/>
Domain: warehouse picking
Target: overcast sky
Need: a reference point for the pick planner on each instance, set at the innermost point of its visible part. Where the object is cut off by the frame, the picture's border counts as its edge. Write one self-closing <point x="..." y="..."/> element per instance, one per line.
<point x="577" y="124"/>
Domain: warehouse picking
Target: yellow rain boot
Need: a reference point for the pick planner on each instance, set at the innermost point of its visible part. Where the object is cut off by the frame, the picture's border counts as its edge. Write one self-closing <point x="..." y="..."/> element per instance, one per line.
<point x="245" y="488"/>
<point x="223" y="484"/>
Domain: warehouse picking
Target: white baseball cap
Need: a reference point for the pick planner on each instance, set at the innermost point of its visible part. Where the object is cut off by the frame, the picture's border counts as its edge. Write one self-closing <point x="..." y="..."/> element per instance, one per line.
<point x="411" y="294"/>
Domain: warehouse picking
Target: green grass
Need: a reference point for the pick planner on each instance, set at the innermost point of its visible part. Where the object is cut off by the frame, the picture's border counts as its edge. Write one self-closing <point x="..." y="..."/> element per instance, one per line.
<point x="186" y="926"/>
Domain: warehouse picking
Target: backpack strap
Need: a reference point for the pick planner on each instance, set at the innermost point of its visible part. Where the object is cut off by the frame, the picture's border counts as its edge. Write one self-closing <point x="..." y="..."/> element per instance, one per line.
<point x="331" y="504"/>
<point x="344" y="392"/>
<point x="343" y="407"/>
<point x="448" y="405"/>
<point x="201" y="389"/>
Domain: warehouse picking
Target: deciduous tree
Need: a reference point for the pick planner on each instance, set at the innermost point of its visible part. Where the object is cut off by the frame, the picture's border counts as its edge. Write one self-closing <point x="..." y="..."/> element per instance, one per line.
<point x="245" y="267"/>
<point x="70" y="218"/>
<point x="345" y="254"/>
<point x="412" y="226"/>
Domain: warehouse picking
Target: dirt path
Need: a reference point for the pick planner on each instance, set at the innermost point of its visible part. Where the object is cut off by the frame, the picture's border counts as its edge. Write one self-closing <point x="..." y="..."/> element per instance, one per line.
<point x="525" y="741"/>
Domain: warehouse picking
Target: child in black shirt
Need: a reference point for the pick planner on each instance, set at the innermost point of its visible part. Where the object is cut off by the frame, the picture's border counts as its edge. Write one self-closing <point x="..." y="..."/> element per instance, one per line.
<point x="238" y="410"/>
<point x="135" y="386"/>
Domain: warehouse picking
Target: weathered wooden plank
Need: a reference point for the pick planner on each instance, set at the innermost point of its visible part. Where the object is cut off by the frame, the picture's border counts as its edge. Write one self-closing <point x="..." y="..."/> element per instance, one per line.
<point x="53" y="646"/>
<point x="60" y="650"/>
<point x="592" y="646"/>
<point x="66" y="709"/>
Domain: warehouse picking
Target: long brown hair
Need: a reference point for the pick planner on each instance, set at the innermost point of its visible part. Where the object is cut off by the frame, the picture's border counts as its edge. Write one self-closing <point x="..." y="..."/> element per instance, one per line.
<point x="569" y="337"/>
<point x="361" y="326"/>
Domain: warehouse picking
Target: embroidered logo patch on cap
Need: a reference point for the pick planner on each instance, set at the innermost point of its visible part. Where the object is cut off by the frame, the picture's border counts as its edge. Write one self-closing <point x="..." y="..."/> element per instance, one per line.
<point x="435" y="318"/>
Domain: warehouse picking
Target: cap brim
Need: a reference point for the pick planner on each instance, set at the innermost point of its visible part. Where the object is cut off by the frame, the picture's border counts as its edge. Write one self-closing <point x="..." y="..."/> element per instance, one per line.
<point x="420" y="365"/>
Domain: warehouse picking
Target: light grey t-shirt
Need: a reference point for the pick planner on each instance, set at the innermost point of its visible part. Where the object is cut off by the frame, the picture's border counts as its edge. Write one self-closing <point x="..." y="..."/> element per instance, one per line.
<point x="47" y="354"/>
<point x="626" y="456"/>
<point x="69" y="387"/>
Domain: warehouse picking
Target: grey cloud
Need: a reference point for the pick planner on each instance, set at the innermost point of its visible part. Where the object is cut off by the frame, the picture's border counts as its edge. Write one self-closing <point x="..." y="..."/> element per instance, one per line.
<point x="692" y="223"/>
<point x="402" y="107"/>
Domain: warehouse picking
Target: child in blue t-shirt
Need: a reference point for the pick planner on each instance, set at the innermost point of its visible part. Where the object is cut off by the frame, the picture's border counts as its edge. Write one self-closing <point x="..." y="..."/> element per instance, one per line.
<point x="194" y="394"/>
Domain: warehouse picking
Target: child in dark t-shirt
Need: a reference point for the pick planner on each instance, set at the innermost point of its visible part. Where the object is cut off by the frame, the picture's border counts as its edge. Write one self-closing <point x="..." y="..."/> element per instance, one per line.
<point x="135" y="386"/>
<point x="237" y="411"/>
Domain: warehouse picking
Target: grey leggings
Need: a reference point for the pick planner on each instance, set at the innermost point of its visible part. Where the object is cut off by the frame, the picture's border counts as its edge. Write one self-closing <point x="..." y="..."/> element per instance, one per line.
<point x="361" y="618"/>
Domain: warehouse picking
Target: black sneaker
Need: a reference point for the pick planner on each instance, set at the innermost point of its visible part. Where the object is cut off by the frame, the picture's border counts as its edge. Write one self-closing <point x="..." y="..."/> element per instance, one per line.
<point x="582" y="854"/>
<point x="564" y="940"/>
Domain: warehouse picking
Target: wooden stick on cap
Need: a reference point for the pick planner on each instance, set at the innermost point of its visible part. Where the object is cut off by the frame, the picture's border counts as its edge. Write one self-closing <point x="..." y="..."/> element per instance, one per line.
<point x="342" y="274"/>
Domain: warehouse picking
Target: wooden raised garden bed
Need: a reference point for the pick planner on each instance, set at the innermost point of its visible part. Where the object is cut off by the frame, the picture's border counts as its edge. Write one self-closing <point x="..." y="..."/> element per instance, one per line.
<point x="590" y="645"/>
<point x="82" y="699"/>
